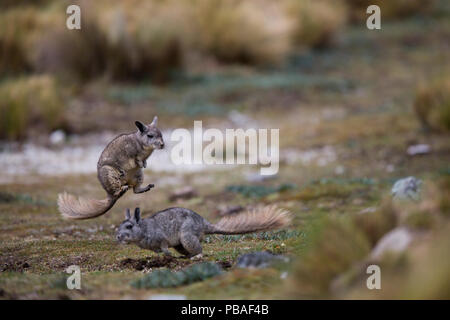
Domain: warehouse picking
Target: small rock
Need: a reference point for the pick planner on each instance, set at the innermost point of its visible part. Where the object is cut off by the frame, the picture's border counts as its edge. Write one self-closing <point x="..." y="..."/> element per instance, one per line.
<point x="339" y="170"/>
<point x="395" y="241"/>
<point x="418" y="149"/>
<point x="407" y="188"/>
<point x="184" y="193"/>
<point x="261" y="259"/>
<point x="57" y="137"/>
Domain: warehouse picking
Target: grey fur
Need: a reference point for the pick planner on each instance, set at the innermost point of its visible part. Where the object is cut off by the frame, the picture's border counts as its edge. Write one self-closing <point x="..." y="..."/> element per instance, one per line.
<point x="183" y="229"/>
<point x="119" y="168"/>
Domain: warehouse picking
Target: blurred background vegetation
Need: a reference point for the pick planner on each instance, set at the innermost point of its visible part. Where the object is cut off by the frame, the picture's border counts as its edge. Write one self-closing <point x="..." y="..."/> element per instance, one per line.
<point x="164" y="41"/>
<point x="357" y="110"/>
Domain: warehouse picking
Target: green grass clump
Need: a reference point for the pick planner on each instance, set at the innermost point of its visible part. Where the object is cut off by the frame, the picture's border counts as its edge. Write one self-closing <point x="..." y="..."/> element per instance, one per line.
<point x="432" y="104"/>
<point x="160" y="279"/>
<point x="165" y="278"/>
<point x="34" y="100"/>
<point x="259" y="191"/>
<point x="58" y="281"/>
<point x="6" y="197"/>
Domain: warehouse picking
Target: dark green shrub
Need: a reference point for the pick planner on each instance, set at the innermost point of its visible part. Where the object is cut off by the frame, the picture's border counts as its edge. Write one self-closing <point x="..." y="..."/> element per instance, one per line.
<point x="166" y="278"/>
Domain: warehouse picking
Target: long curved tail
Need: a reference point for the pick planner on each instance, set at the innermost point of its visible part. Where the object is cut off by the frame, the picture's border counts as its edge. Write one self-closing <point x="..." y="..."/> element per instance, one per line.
<point x="260" y="219"/>
<point x="81" y="208"/>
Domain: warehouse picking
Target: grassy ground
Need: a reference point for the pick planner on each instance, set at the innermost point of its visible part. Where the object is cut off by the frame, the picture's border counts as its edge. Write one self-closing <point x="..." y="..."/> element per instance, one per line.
<point x="356" y="98"/>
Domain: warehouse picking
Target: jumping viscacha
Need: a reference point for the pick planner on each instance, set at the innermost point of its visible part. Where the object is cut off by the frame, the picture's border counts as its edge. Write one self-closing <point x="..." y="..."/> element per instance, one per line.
<point x="118" y="169"/>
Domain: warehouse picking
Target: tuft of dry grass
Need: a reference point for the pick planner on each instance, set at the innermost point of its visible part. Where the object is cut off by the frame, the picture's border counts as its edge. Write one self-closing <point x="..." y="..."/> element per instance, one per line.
<point x="150" y="39"/>
<point x="70" y="54"/>
<point x="16" y="27"/>
<point x="335" y="244"/>
<point x="378" y="223"/>
<point x="253" y="32"/>
<point x="316" y="22"/>
<point x="29" y="100"/>
<point x="432" y="104"/>
<point x="140" y="45"/>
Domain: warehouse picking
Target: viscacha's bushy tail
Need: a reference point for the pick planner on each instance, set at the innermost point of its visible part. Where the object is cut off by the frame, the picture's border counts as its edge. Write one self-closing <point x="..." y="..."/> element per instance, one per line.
<point x="259" y="219"/>
<point x="81" y="208"/>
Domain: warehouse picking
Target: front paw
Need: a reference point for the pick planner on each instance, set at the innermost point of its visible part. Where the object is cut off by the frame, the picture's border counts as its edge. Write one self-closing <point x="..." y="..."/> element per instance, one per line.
<point x="151" y="185"/>
<point x="122" y="190"/>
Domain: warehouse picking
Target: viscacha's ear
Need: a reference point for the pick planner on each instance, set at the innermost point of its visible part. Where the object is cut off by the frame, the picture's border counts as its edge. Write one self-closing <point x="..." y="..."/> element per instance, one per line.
<point x="142" y="128"/>
<point x="137" y="214"/>
<point x="154" y="122"/>
<point x="127" y="214"/>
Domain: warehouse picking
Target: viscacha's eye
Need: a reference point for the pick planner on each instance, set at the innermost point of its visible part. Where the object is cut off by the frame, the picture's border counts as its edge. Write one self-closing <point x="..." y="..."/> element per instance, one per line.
<point x="150" y="136"/>
<point x="129" y="226"/>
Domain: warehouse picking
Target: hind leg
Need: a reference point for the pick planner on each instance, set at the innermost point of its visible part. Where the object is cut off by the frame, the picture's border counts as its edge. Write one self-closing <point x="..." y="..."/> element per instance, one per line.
<point x="112" y="181"/>
<point x="165" y="249"/>
<point x="191" y="244"/>
<point x="180" y="249"/>
<point x="137" y="182"/>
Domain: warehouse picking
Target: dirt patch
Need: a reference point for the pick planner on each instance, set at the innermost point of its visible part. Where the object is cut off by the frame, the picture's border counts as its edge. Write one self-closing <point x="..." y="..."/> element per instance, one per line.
<point x="225" y="264"/>
<point x="154" y="262"/>
<point x="13" y="264"/>
<point x="21" y="264"/>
